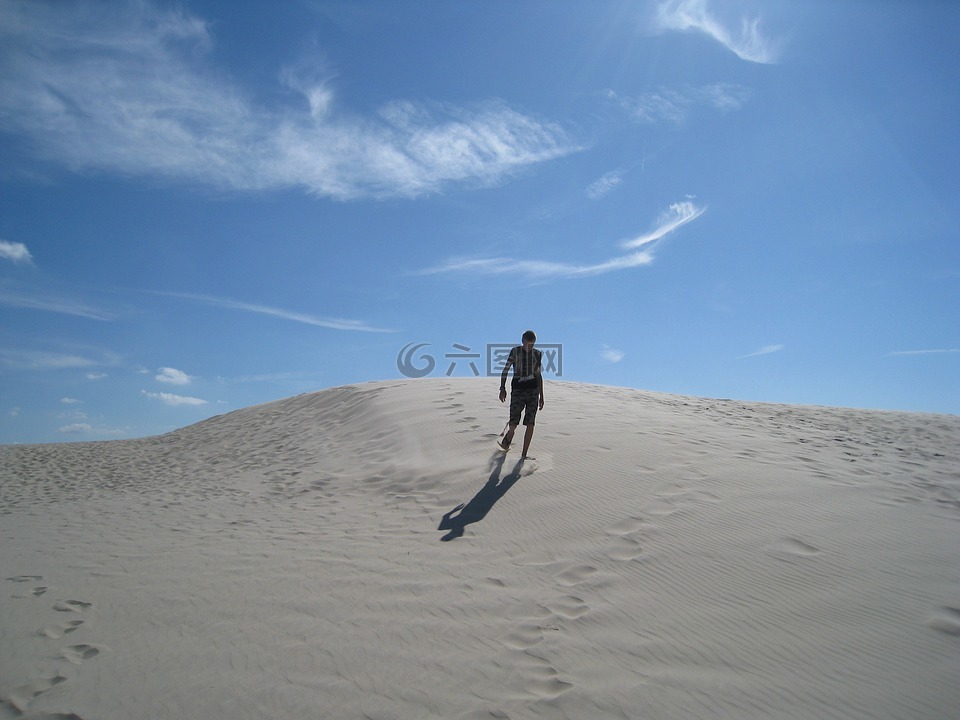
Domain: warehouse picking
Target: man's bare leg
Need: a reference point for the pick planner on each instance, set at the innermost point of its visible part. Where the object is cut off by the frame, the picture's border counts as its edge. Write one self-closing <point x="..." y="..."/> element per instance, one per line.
<point x="508" y="438"/>
<point x="527" y="437"/>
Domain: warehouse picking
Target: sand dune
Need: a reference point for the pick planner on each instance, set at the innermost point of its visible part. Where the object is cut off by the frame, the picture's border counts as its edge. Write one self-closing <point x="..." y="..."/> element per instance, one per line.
<point x="363" y="552"/>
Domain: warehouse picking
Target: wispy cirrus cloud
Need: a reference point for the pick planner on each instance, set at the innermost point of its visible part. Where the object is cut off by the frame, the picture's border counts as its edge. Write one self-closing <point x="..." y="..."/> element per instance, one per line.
<point x="605" y="184"/>
<point x="13" y="295"/>
<point x="943" y="351"/>
<point x="18" y="359"/>
<point x="765" y="350"/>
<point x="749" y="43"/>
<point x="229" y="304"/>
<point x="670" y="219"/>
<point x="674" y="105"/>
<point x="612" y="354"/>
<point x="131" y="88"/>
<point x="675" y="216"/>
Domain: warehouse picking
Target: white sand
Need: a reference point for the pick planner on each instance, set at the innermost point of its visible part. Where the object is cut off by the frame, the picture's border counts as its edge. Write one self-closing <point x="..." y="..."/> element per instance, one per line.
<point x="663" y="557"/>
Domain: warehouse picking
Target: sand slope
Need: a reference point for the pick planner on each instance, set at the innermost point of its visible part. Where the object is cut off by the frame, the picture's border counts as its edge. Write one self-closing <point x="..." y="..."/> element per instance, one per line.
<point x="363" y="552"/>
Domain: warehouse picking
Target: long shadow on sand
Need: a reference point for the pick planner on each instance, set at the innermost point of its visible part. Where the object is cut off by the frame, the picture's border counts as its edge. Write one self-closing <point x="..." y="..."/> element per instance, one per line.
<point x="475" y="510"/>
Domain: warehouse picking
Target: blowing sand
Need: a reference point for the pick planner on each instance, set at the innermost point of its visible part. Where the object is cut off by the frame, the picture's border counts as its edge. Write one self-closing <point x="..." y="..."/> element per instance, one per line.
<point x="363" y="552"/>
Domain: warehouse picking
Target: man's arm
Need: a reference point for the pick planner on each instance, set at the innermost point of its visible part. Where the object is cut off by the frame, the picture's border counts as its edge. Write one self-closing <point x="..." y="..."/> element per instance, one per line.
<point x="539" y="372"/>
<point x="503" y="377"/>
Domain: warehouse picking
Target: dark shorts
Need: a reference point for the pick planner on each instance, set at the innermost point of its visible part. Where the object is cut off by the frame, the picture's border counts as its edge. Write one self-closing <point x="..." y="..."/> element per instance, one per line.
<point x="524" y="400"/>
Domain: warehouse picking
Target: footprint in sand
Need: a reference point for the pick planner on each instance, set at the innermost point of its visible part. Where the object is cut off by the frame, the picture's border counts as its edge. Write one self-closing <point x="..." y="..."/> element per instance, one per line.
<point x="568" y="607"/>
<point x="524" y="637"/>
<point x="659" y="506"/>
<point x="946" y="620"/>
<point x="55" y="632"/>
<point x="792" y="548"/>
<point x="575" y="575"/>
<point x="25" y="578"/>
<point x="628" y="526"/>
<point x="34" y="593"/>
<point x="71" y="606"/>
<point x="627" y="534"/>
<point x="624" y="549"/>
<point x="78" y="653"/>
<point x="25" y="694"/>
<point x="542" y="679"/>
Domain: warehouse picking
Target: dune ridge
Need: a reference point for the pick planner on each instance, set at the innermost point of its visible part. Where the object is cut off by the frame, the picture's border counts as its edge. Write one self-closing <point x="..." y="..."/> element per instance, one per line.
<point x="363" y="552"/>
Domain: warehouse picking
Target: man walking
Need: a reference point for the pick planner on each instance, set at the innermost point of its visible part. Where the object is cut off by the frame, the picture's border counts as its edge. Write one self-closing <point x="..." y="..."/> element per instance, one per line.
<point x="526" y="390"/>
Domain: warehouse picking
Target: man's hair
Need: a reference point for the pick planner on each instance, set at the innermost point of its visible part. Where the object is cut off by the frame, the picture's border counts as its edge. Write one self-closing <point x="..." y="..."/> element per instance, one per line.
<point x="529" y="335"/>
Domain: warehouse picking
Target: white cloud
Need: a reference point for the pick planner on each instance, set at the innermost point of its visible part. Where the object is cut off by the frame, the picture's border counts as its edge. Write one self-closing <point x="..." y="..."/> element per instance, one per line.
<point x="13" y="296"/>
<point x="611" y="355"/>
<point x="748" y="44"/>
<point x="678" y="214"/>
<point x="765" y="350"/>
<point x="17" y="252"/>
<point x="174" y="400"/>
<point x="134" y="91"/>
<point x="173" y="376"/>
<point x="14" y="412"/>
<point x="82" y="428"/>
<point x="675" y="105"/>
<point x="69" y="401"/>
<point x="96" y="376"/>
<point x="605" y="184"/>
<point x="76" y="429"/>
<point x="670" y="219"/>
<point x="332" y="323"/>
<point x="926" y="352"/>
<point x="44" y="360"/>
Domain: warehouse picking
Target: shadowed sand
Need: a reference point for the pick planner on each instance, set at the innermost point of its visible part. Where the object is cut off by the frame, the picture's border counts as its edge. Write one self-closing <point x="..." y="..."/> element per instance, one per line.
<point x="365" y="552"/>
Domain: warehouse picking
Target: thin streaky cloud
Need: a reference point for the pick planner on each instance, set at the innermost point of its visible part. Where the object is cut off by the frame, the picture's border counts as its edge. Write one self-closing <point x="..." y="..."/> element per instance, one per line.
<point x="675" y="216"/>
<point x="605" y="184"/>
<point x="13" y="297"/>
<point x="943" y="351"/>
<point x="15" y="252"/>
<point x="331" y="323"/>
<point x="674" y="105"/>
<point x="137" y="92"/>
<point x="765" y="350"/>
<point x="678" y="214"/>
<point x="748" y="44"/>
<point x="44" y="360"/>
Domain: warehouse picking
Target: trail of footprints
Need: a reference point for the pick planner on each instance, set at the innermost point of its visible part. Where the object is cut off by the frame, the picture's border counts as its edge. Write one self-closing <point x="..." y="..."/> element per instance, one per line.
<point x="21" y="697"/>
<point x="539" y="677"/>
<point x="576" y="581"/>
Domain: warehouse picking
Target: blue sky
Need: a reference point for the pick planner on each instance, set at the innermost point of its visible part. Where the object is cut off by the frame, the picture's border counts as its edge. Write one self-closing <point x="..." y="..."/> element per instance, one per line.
<point x="206" y="205"/>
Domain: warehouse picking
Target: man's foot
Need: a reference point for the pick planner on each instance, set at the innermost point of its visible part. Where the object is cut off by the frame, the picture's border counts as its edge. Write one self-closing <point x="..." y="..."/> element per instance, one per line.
<point x="504" y="444"/>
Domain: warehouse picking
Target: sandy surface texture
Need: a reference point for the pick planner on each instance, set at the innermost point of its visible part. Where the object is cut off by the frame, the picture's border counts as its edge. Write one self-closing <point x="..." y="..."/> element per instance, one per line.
<point x="366" y="552"/>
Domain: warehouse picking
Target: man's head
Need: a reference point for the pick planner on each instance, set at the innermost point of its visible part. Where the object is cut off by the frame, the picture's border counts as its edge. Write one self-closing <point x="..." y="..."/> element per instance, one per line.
<point x="529" y="338"/>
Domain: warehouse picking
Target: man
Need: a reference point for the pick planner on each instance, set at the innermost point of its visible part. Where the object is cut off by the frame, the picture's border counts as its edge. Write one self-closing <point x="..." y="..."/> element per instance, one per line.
<point x="526" y="390"/>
